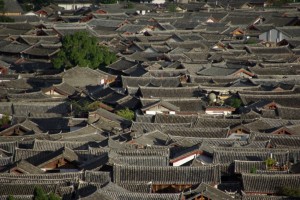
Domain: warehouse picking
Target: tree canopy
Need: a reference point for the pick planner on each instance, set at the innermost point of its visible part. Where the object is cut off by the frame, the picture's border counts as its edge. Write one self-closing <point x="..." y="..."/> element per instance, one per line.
<point x="126" y="113"/>
<point x="39" y="194"/>
<point x="270" y="162"/>
<point x="172" y="7"/>
<point x="4" y="121"/>
<point x="83" y="50"/>
<point x="235" y="102"/>
<point x="81" y="108"/>
<point x="10" y="197"/>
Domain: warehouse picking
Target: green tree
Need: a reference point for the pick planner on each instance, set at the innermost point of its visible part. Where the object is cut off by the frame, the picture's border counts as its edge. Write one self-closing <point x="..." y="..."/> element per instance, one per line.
<point x="10" y="197"/>
<point x="253" y="170"/>
<point x="129" y="5"/>
<point x="4" y="121"/>
<point x="53" y="196"/>
<point x="126" y="113"/>
<point x="93" y="106"/>
<point x="39" y="194"/>
<point x="172" y="8"/>
<point x="82" y="107"/>
<point x="270" y="162"/>
<point x="235" y="102"/>
<point x="83" y="50"/>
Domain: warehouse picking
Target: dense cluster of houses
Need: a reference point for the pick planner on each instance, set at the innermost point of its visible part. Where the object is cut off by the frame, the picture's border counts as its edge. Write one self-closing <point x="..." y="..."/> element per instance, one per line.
<point x="215" y="88"/>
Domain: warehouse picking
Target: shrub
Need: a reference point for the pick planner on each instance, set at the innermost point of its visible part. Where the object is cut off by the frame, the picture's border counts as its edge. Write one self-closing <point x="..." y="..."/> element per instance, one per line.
<point x="126" y="113"/>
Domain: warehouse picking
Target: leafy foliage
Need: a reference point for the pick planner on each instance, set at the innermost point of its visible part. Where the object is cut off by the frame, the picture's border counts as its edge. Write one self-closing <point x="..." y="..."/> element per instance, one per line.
<point x="81" y="108"/>
<point x="270" y="162"/>
<point x="251" y="41"/>
<point x="129" y="5"/>
<point x="10" y="197"/>
<point x="4" y="121"/>
<point x="172" y="8"/>
<point x="83" y="50"/>
<point x="235" y="102"/>
<point x="126" y="113"/>
<point x="39" y="194"/>
<point x="53" y="196"/>
<point x="93" y="106"/>
<point x="253" y="170"/>
<point x="290" y="192"/>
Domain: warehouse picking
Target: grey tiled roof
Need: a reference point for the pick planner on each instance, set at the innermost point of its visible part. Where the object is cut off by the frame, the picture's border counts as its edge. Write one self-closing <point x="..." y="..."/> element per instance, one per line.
<point x="160" y="92"/>
<point x="150" y="138"/>
<point x="52" y="176"/>
<point x="29" y="96"/>
<point x="265" y="183"/>
<point x="97" y="176"/>
<point x="83" y="76"/>
<point x="197" y="132"/>
<point x="229" y="155"/>
<point x="163" y="118"/>
<point x="41" y="51"/>
<point x="88" y="133"/>
<point x="14" y="48"/>
<point x="12" y="6"/>
<point x="277" y="140"/>
<point x="161" y="103"/>
<point x="26" y="168"/>
<point x="268" y="50"/>
<point x="144" y="161"/>
<point x="279" y="21"/>
<point x="217" y="71"/>
<point x="284" y="100"/>
<point x="122" y="64"/>
<point x="148" y="127"/>
<point x="215" y="122"/>
<point x="288" y="112"/>
<point x="133" y="187"/>
<point x="108" y="195"/>
<point x="208" y="191"/>
<point x="155" y="81"/>
<point x="241" y="166"/>
<point x="44" y="145"/>
<point x="164" y="175"/>
<point x="25" y="189"/>
<point x="265" y="197"/>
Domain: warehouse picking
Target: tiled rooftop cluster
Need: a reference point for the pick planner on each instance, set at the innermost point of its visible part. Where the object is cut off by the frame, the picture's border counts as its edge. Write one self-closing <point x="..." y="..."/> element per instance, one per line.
<point x="214" y="86"/>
